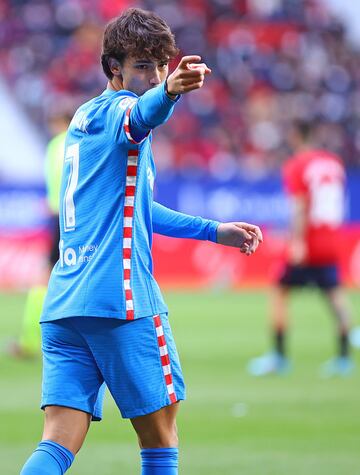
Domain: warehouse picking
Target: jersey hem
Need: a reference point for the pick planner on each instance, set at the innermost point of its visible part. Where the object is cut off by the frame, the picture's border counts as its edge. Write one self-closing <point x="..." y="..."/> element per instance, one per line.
<point x="100" y="313"/>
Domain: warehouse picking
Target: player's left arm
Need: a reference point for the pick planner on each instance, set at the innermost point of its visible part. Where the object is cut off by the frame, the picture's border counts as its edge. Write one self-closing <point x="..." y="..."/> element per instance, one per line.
<point x="152" y="109"/>
<point x="156" y="105"/>
<point x="172" y="223"/>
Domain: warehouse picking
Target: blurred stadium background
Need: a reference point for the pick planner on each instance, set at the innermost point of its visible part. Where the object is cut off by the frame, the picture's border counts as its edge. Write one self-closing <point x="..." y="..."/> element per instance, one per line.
<point x="273" y="61"/>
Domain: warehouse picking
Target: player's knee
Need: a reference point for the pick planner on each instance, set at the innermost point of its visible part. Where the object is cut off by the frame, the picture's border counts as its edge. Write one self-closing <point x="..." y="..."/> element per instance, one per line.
<point x="65" y="426"/>
<point x="159" y="437"/>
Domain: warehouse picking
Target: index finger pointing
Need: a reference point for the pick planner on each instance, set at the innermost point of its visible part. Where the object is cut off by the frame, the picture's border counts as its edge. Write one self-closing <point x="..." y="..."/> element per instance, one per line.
<point x="200" y="66"/>
<point x="185" y="60"/>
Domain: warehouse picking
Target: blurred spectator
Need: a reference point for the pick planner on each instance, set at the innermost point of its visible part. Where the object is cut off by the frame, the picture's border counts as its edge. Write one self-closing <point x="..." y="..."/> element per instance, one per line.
<point x="273" y="62"/>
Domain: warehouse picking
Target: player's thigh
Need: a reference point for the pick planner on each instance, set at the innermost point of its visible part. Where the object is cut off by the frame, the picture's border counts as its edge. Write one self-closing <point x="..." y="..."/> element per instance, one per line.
<point x="139" y="363"/>
<point x="157" y="429"/>
<point x="65" y="426"/>
<point x="71" y="377"/>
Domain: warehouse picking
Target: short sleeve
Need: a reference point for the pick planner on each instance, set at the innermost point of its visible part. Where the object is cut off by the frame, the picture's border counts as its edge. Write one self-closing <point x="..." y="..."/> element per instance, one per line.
<point x="293" y="177"/>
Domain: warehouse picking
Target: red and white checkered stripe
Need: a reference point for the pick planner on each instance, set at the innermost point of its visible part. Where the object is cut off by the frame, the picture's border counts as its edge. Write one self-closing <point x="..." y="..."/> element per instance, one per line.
<point x="130" y="188"/>
<point x="131" y="173"/>
<point x="126" y="125"/>
<point x="165" y="360"/>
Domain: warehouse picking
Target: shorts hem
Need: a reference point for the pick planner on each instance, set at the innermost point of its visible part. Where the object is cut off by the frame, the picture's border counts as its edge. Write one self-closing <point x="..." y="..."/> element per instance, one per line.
<point x="94" y="417"/>
<point x="94" y="313"/>
<point x="131" y="413"/>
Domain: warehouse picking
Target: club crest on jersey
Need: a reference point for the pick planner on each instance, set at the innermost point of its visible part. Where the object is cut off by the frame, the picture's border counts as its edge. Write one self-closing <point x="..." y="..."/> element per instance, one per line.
<point x="127" y="102"/>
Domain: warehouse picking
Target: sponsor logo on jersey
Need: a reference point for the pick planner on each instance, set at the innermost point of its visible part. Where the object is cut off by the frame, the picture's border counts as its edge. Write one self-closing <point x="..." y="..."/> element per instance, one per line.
<point x="71" y="257"/>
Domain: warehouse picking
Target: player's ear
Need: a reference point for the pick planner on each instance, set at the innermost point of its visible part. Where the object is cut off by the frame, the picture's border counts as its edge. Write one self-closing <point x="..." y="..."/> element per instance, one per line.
<point x="115" y="67"/>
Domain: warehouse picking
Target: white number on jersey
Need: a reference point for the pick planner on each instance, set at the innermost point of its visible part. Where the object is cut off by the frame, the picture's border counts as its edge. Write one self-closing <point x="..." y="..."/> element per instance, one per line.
<point x="71" y="156"/>
<point x="327" y="203"/>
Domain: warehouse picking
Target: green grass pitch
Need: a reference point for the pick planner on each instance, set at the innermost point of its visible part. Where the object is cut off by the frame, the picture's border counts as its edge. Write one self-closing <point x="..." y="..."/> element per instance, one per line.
<point x="231" y="424"/>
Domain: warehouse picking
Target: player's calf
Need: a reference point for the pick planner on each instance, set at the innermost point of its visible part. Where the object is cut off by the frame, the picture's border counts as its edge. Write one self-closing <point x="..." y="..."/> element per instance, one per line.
<point x="158" y="439"/>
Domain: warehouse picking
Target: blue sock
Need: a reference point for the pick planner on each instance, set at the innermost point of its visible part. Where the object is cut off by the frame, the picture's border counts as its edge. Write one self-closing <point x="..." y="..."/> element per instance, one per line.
<point x="49" y="458"/>
<point x="159" y="461"/>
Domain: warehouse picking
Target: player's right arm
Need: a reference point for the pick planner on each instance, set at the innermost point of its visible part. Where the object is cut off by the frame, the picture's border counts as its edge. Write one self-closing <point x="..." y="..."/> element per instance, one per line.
<point x="168" y="222"/>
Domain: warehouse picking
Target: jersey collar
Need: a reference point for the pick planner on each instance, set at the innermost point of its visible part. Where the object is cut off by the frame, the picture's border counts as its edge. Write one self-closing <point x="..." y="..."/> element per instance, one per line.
<point x="123" y="92"/>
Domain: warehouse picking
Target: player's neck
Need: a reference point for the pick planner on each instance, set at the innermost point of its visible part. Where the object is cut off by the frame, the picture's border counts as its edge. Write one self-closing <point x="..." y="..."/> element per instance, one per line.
<point x="115" y="84"/>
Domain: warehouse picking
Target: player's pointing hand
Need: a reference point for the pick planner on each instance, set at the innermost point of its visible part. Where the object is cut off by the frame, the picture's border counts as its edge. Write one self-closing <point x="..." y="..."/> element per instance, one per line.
<point x="188" y="75"/>
<point x="244" y="236"/>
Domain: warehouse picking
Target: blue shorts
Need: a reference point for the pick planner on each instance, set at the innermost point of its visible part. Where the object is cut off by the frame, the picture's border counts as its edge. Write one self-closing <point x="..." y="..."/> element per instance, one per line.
<point x="137" y="360"/>
<point x="324" y="277"/>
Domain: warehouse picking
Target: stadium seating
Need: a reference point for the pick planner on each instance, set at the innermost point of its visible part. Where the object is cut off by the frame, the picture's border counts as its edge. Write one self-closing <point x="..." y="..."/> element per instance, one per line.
<point x="270" y="65"/>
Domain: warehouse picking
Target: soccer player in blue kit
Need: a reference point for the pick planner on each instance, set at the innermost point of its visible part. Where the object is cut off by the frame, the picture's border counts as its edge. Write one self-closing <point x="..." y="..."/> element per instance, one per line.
<point x="104" y="320"/>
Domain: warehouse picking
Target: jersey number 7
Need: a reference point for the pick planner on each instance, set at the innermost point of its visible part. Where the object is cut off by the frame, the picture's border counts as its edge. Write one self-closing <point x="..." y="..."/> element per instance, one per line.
<point x="71" y="157"/>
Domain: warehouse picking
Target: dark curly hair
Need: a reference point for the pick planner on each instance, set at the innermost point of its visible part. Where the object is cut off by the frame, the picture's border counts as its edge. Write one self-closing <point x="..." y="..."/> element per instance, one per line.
<point x="137" y="33"/>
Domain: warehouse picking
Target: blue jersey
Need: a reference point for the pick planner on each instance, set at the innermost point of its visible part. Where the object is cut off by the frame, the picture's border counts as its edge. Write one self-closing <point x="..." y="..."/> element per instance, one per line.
<point x="107" y="213"/>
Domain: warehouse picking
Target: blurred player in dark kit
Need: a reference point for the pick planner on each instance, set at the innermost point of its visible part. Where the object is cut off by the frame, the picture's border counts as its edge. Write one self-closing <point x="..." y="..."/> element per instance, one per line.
<point x="315" y="182"/>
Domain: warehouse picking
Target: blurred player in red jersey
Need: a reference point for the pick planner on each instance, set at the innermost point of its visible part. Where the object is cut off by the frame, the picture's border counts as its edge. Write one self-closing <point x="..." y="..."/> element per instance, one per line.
<point x="315" y="182"/>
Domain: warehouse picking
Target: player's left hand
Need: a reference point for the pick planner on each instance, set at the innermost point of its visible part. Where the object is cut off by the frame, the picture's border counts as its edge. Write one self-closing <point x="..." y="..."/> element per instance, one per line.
<point x="188" y="75"/>
<point x="244" y="236"/>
